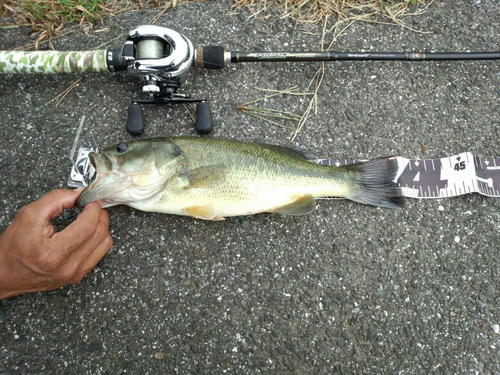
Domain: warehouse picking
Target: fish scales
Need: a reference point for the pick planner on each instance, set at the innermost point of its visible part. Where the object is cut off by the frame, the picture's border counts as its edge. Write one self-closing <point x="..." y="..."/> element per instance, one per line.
<point x="256" y="177"/>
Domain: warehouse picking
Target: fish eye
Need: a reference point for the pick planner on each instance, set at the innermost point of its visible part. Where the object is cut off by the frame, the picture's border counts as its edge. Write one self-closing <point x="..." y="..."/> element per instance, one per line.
<point x="122" y="147"/>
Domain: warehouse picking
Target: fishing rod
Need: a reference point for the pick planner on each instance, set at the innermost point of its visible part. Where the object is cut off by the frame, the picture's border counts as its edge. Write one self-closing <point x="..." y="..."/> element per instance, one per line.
<point x="162" y="57"/>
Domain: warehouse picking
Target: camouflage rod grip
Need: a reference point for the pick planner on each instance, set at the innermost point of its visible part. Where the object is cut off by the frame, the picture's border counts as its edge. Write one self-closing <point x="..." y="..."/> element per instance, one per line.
<point x="52" y="62"/>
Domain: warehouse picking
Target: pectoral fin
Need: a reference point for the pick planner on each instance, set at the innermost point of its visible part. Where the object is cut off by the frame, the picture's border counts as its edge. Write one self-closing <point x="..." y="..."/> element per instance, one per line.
<point x="203" y="176"/>
<point x="303" y="205"/>
<point x="205" y="212"/>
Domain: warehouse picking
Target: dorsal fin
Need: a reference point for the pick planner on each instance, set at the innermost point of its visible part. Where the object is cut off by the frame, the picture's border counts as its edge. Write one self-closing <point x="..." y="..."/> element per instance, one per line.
<point x="296" y="153"/>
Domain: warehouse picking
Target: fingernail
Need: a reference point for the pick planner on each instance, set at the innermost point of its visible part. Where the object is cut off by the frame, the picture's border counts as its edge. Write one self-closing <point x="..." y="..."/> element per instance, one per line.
<point x="80" y="189"/>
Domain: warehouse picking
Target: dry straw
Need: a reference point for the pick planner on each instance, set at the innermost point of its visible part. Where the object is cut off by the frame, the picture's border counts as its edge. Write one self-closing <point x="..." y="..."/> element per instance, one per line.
<point x="333" y="18"/>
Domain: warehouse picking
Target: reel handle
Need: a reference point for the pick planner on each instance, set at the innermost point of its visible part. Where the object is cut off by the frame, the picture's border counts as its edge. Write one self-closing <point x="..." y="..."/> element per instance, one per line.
<point x="135" y="119"/>
<point x="204" y="123"/>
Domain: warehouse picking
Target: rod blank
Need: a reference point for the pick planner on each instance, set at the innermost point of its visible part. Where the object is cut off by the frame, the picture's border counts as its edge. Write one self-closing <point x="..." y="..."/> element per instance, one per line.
<point x="360" y="56"/>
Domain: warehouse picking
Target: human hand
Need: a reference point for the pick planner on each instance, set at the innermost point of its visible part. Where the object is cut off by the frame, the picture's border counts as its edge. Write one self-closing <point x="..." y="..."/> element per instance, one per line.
<point x="33" y="257"/>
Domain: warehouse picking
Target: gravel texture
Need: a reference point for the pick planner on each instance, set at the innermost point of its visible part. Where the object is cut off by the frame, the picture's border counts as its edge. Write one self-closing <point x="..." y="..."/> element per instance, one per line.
<point x="346" y="289"/>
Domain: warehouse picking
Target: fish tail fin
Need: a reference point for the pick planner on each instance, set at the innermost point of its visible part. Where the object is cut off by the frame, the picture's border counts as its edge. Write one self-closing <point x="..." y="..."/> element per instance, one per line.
<point x="375" y="183"/>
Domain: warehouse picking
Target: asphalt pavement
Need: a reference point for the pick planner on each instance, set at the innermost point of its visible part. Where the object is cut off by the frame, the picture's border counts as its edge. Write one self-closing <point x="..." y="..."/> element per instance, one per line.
<point x="346" y="289"/>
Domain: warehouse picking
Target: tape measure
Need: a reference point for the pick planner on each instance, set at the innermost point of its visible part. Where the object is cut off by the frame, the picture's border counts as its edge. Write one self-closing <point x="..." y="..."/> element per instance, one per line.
<point x="441" y="178"/>
<point x="418" y="178"/>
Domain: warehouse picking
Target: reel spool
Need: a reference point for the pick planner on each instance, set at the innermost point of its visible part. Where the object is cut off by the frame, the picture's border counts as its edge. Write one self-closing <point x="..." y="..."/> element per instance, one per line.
<point x="149" y="49"/>
<point x="163" y="57"/>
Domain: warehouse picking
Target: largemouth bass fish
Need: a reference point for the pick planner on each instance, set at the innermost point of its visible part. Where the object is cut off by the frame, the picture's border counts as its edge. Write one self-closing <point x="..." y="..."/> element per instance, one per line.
<point x="210" y="179"/>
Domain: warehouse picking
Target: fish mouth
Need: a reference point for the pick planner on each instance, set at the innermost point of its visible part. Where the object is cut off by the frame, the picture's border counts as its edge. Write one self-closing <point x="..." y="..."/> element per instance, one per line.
<point x="92" y="192"/>
<point x="112" y="187"/>
<point x="99" y="186"/>
<point x="83" y="199"/>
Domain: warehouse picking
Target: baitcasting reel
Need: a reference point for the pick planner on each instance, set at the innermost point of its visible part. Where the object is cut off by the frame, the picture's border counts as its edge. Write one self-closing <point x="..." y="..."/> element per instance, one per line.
<point x="163" y="57"/>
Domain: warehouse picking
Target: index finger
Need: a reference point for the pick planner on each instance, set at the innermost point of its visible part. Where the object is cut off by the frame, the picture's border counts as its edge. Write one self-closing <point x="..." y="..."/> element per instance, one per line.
<point x="80" y="230"/>
<point x="53" y="203"/>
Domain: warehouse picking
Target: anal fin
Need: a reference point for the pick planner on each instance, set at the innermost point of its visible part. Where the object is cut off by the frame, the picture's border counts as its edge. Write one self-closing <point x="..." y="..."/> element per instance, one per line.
<point x="303" y="205"/>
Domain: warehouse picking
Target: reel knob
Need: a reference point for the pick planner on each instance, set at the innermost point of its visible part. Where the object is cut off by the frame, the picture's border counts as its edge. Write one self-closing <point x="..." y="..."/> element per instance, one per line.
<point x="204" y="123"/>
<point x="135" y="119"/>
